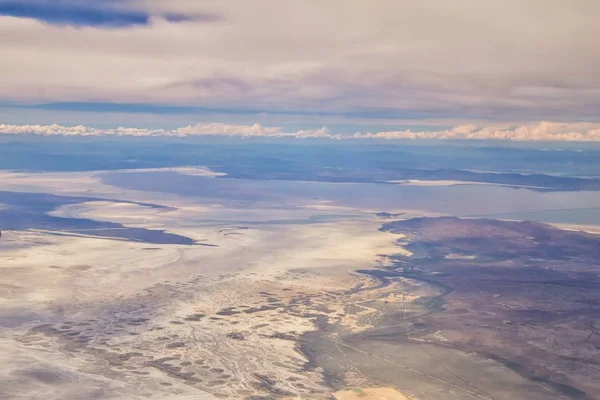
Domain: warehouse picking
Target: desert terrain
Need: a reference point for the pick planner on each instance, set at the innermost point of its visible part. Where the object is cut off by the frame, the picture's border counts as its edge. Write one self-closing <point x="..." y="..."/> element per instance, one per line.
<point x="270" y="303"/>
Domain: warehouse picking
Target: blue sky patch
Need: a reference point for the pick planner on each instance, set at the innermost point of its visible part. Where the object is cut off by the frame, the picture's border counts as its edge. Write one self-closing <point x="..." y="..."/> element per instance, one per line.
<point x="86" y="13"/>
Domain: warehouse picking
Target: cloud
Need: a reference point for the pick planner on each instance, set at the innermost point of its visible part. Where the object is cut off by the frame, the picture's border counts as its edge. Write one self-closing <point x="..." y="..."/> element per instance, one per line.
<point x="498" y="60"/>
<point x="323" y="133"/>
<point x="79" y="130"/>
<point x="543" y="131"/>
<point x="229" y="130"/>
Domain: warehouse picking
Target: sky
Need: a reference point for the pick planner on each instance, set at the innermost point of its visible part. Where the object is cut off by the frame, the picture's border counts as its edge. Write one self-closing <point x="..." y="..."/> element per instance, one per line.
<point x="505" y="69"/>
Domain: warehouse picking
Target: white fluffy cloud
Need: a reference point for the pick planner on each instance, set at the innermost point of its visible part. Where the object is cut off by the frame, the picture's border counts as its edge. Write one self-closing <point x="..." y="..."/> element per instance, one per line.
<point x="501" y="60"/>
<point x="79" y="130"/>
<point x="543" y="131"/>
<point x="228" y="130"/>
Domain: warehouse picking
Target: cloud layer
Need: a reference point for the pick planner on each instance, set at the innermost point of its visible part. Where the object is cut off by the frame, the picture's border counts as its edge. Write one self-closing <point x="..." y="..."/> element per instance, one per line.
<point x="498" y="60"/>
<point x="543" y="131"/>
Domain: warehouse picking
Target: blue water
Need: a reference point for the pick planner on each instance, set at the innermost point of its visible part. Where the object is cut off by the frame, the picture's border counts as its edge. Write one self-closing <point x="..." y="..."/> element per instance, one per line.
<point x="461" y="200"/>
<point x="22" y="211"/>
<point x="280" y="173"/>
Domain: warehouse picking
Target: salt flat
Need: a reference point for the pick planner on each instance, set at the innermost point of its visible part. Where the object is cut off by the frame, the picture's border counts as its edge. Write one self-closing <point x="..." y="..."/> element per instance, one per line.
<point x="129" y="320"/>
<point x="272" y="301"/>
<point x="437" y="182"/>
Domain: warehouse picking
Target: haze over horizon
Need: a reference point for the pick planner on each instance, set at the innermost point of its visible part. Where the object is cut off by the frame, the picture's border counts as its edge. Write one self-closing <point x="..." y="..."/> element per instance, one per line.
<point x="404" y="69"/>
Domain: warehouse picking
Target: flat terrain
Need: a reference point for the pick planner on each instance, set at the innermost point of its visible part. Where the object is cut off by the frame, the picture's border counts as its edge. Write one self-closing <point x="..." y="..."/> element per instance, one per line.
<point x="308" y="300"/>
<point x="370" y="394"/>
<point x="521" y="293"/>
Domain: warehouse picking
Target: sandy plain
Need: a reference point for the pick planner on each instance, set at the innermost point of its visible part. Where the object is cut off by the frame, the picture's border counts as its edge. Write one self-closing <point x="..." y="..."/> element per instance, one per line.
<point x="370" y="394"/>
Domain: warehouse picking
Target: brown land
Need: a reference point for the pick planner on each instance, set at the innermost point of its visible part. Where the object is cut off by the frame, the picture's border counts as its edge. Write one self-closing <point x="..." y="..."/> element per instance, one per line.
<point x="524" y="294"/>
<point x="370" y="394"/>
